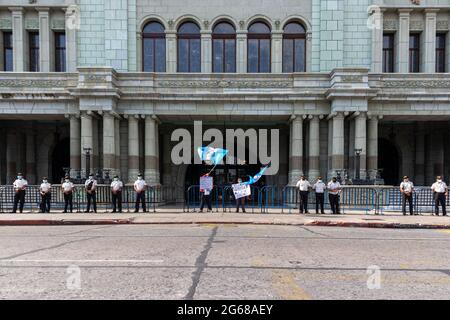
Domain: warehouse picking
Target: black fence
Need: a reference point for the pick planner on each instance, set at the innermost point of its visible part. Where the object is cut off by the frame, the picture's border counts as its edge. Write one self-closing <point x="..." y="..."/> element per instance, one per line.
<point x="265" y="199"/>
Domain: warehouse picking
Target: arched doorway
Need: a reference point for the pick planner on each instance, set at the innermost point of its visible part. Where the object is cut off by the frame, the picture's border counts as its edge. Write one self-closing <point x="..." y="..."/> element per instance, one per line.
<point x="388" y="161"/>
<point x="60" y="159"/>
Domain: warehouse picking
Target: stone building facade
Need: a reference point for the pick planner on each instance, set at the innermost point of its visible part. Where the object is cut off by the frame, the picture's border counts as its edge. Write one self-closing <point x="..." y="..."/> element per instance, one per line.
<point x="366" y="76"/>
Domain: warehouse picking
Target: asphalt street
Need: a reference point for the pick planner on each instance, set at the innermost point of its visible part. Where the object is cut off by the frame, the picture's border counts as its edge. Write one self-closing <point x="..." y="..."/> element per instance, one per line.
<point x="223" y="262"/>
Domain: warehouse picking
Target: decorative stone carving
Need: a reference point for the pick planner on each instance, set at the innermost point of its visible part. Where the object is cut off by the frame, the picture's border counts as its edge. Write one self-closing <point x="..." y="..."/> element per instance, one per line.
<point x="416" y="2"/>
<point x="442" y="25"/>
<point x="5" y="24"/>
<point x="277" y="24"/>
<point x="206" y="24"/>
<point x="351" y="78"/>
<point x="94" y="78"/>
<point x="58" y="24"/>
<point x="35" y="83"/>
<point x="416" y="25"/>
<point x="390" y="25"/>
<point x="32" y="24"/>
<point x="417" y="84"/>
<point x="224" y="84"/>
<point x="171" y="23"/>
<point x="242" y="24"/>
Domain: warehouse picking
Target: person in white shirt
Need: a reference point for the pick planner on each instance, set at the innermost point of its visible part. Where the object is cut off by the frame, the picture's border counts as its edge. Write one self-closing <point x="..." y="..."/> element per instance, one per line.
<point x="319" y="188"/>
<point x="334" y="189"/>
<point x="303" y="185"/>
<point x="91" y="193"/>
<point x="139" y="187"/>
<point x="46" y="195"/>
<point x="440" y="191"/>
<point x="205" y="197"/>
<point x="116" y="191"/>
<point x="67" y="188"/>
<point x="20" y="184"/>
<point x="407" y="189"/>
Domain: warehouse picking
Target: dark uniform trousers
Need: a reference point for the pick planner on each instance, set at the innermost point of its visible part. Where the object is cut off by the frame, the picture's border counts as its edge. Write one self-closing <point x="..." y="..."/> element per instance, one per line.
<point x="439" y="199"/>
<point x="409" y="199"/>
<point x="68" y="201"/>
<point x="45" y="202"/>
<point x="240" y="203"/>
<point x="19" y="197"/>
<point x="304" y="201"/>
<point x="320" y="199"/>
<point x="334" y="203"/>
<point x="91" y="198"/>
<point x="206" y="199"/>
<point x="140" y="198"/>
<point x="117" y="201"/>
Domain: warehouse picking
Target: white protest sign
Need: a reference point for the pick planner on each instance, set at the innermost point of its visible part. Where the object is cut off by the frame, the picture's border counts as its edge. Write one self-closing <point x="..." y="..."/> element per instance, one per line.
<point x="206" y="183"/>
<point x="241" y="190"/>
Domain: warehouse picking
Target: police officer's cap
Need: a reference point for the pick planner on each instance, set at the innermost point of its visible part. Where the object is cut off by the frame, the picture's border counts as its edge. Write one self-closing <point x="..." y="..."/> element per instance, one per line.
<point x="116" y="176"/>
<point x="66" y="177"/>
<point x="19" y="174"/>
<point x="405" y="177"/>
<point x="44" y="178"/>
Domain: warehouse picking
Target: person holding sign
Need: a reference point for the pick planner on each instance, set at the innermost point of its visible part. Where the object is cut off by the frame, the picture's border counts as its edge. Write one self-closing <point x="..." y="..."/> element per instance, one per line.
<point x="206" y="186"/>
<point x="241" y="191"/>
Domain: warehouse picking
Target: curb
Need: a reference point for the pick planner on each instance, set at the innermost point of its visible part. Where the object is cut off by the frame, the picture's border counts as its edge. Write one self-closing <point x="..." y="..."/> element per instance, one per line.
<point x="44" y="222"/>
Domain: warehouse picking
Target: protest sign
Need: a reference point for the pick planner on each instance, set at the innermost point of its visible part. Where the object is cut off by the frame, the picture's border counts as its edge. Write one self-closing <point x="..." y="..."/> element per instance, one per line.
<point x="241" y="190"/>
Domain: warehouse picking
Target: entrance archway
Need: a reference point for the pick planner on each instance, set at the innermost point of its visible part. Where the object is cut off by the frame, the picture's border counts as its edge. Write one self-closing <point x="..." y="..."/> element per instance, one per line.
<point x="60" y="159"/>
<point x="388" y="161"/>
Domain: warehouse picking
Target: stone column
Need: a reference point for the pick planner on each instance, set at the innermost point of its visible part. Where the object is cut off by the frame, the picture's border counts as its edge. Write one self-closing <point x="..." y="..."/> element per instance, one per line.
<point x="337" y="156"/>
<point x="133" y="147"/>
<point x="171" y="51"/>
<point x="296" y="156"/>
<point x="419" y="169"/>
<point x="11" y="156"/>
<point x="75" y="145"/>
<point x="45" y="56"/>
<point x="87" y="141"/>
<point x="314" y="148"/>
<point x="429" y="42"/>
<point x="277" y="51"/>
<point x="72" y="20"/>
<point x="30" y="156"/>
<point x="19" y="37"/>
<point x="109" y="144"/>
<point x="206" y="54"/>
<point x="402" y="58"/>
<point x="351" y="149"/>
<point x="361" y="142"/>
<point x="117" y="145"/>
<point x="377" y="41"/>
<point x="241" y="52"/>
<point x="372" y="147"/>
<point x="151" y="150"/>
<point x="308" y="51"/>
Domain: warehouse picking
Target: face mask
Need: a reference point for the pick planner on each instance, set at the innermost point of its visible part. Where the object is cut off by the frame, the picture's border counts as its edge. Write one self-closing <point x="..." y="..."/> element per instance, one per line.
<point x="439" y="180"/>
<point x="19" y="177"/>
<point x="91" y="177"/>
<point x="115" y="179"/>
<point x="334" y="180"/>
<point x="139" y="178"/>
<point x="67" y="180"/>
<point x="45" y="181"/>
<point x="239" y="180"/>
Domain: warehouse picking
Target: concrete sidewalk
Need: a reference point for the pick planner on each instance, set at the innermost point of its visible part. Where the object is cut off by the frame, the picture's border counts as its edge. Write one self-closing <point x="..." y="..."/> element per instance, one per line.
<point x="389" y="220"/>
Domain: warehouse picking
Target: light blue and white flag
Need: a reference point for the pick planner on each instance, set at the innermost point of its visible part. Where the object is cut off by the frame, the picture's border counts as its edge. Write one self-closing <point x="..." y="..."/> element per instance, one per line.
<point x="212" y="155"/>
<point x="258" y="176"/>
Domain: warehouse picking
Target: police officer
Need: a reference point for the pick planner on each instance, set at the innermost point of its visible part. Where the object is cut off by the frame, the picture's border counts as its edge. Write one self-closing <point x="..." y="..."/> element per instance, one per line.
<point x="334" y="189"/>
<point x="116" y="191"/>
<point x="303" y="185"/>
<point x="68" y="188"/>
<point x="91" y="187"/>
<point x="440" y="191"/>
<point x="46" y="195"/>
<point x="139" y="187"/>
<point x="19" y="196"/>
<point x="407" y="190"/>
<point x="319" y="188"/>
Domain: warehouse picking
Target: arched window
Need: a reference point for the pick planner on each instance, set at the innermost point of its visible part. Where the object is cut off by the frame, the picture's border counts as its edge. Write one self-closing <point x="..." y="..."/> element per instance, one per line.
<point x="294" y="48"/>
<point x="224" y="48"/>
<point x="153" y="48"/>
<point x="189" y="48"/>
<point x="258" y="48"/>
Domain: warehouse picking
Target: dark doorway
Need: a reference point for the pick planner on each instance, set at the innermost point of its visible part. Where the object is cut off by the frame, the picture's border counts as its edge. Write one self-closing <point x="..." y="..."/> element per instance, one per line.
<point x="388" y="162"/>
<point x="60" y="160"/>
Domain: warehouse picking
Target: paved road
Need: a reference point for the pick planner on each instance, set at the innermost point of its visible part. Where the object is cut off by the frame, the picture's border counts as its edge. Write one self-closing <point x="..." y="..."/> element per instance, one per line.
<point x="223" y="262"/>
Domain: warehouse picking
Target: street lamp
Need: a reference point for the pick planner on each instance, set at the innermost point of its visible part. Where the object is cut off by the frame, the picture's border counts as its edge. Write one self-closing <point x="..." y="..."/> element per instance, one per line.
<point x="358" y="163"/>
<point x="87" y="152"/>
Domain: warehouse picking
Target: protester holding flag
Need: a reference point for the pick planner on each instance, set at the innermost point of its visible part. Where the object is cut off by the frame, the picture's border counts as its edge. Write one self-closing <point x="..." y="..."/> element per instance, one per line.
<point x="205" y="194"/>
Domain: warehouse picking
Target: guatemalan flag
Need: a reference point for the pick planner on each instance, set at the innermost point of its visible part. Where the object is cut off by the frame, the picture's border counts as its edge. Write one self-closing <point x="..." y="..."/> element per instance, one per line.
<point x="258" y="176"/>
<point x="212" y="155"/>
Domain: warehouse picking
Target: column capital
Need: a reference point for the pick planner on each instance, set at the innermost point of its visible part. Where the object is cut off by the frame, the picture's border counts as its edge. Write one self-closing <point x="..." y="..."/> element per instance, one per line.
<point x="43" y="9"/>
<point x="404" y="11"/>
<point x="16" y="10"/>
<point x="431" y="11"/>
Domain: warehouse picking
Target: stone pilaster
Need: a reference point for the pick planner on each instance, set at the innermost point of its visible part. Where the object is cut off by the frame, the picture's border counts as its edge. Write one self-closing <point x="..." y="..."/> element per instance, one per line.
<point x="117" y="145"/>
<point x="377" y="41"/>
<point x="296" y="149"/>
<point x="206" y="55"/>
<point x="151" y="150"/>
<point x="72" y="20"/>
<point x="133" y="147"/>
<point x="361" y="141"/>
<point x="429" y="42"/>
<point x="87" y="141"/>
<point x="19" y="37"/>
<point x="314" y="148"/>
<point x="45" y="53"/>
<point x="75" y="145"/>
<point x="171" y="51"/>
<point x="241" y="52"/>
<point x="277" y="52"/>
<point x="337" y="155"/>
<point x="402" y="45"/>
<point x="109" y="143"/>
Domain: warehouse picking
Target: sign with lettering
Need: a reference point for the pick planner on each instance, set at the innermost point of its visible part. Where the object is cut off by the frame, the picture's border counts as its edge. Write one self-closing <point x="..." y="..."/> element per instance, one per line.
<point x="206" y="183"/>
<point x="241" y="190"/>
